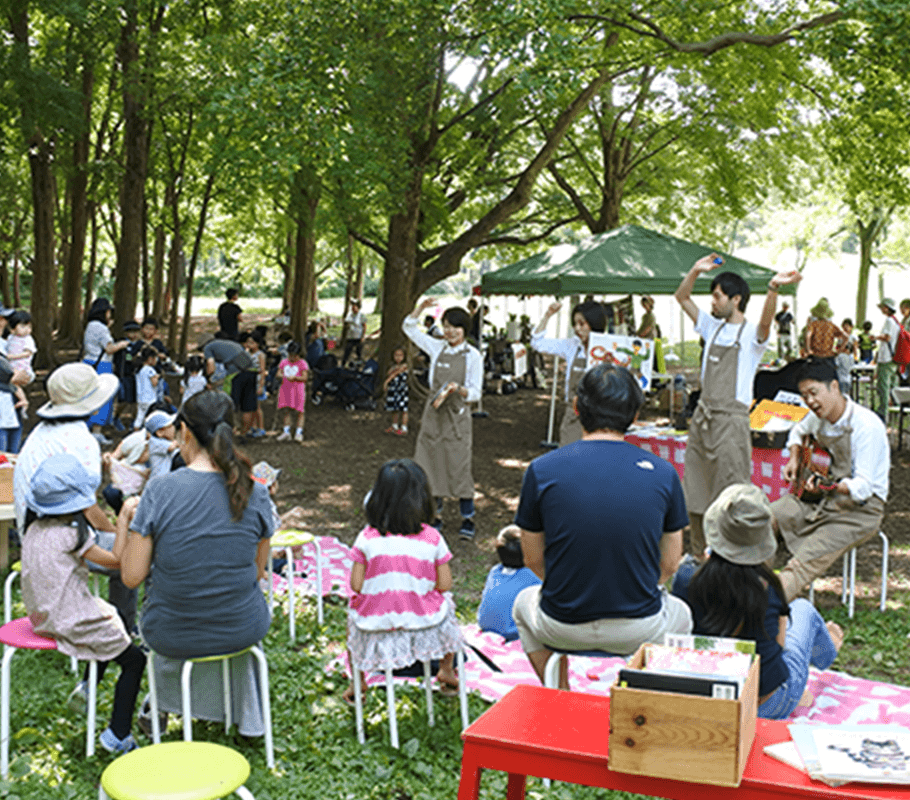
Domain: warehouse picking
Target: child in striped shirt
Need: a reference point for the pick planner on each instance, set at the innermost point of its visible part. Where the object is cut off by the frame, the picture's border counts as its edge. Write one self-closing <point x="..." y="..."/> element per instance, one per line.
<point x="401" y="611"/>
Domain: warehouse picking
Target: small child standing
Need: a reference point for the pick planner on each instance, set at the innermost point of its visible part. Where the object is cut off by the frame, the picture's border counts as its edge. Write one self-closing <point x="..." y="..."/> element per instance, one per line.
<point x="21" y="346"/>
<point x="255" y="346"/>
<point x="56" y="593"/>
<point x="162" y="442"/>
<point x="293" y="372"/>
<point x="866" y="343"/>
<point x="195" y="381"/>
<point x="396" y="392"/>
<point x="146" y="384"/>
<point x="401" y="611"/>
<point x="504" y="582"/>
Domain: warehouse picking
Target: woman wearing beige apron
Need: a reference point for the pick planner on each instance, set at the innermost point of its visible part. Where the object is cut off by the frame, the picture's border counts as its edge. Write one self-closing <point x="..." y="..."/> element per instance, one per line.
<point x="586" y="317"/>
<point x="719" y="447"/>
<point x="444" y="444"/>
<point x="817" y="534"/>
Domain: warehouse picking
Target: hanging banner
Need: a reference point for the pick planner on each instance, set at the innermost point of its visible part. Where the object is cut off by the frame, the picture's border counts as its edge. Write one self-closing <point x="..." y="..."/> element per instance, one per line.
<point x="634" y="353"/>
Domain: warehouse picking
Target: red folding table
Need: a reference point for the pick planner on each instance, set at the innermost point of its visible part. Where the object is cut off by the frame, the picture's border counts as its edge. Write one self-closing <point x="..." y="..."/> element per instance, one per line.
<point x="563" y="736"/>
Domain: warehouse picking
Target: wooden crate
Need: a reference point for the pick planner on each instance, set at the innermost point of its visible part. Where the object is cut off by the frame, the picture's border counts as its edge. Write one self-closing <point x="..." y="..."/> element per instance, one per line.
<point x="6" y="483"/>
<point x="680" y="736"/>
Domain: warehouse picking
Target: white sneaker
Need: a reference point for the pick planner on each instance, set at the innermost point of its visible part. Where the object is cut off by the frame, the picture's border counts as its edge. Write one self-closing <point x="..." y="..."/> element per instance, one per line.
<point x="298" y="437"/>
<point x="284" y="436"/>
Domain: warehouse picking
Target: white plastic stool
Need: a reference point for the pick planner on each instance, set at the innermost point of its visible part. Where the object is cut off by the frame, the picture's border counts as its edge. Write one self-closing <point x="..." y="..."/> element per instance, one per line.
<point x="551" y="671"/>
<point x="286" y="540"/>
<point x="390" y="698"/>
<point x="187" y="709"/>
<point x="848" y="583"/>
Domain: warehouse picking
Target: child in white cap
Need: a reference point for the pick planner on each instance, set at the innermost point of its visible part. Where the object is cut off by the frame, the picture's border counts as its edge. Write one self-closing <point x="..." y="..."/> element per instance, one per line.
<point x="159" y="426"/>
<point x="56" y="593"/>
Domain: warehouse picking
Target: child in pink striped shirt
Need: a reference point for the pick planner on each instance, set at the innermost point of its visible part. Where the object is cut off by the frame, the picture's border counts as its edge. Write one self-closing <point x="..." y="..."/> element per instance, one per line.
<point x="401" y="611"/>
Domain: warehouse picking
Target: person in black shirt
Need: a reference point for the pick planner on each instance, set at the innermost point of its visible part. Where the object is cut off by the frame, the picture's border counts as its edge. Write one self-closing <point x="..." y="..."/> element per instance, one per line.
<point x="229" y="315"/>
<point x="784" y="319"/>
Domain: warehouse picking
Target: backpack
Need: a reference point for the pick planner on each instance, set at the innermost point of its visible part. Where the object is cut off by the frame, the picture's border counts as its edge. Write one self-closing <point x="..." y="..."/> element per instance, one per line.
<point x="902" y="350"/>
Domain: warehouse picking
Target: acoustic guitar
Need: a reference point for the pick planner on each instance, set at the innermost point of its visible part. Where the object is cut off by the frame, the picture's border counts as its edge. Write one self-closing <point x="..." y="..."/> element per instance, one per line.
<point x="814" y="461"/>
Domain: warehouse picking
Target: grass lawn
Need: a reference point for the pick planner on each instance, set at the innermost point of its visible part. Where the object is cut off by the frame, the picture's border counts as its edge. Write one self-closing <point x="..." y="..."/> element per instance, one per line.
<point x="316" y="748"/>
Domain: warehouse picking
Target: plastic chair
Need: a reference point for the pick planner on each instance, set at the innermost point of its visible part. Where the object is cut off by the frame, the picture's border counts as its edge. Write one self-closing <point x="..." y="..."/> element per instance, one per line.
<point x="286" y="540"/>
<point x="176" y="771"/>
<point x="390" y="698"/>
<point x="848" y="582"/>
<point x="20" y="635"/>
<point x="187" y="709"/>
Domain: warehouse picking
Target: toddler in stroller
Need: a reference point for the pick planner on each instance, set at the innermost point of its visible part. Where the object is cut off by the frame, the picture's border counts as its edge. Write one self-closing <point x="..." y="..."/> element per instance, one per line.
<point x="352" y="387"/>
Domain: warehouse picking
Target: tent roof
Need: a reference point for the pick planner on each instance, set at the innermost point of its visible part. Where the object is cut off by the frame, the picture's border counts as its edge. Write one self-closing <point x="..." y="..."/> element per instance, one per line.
<point x="627" y="260"/>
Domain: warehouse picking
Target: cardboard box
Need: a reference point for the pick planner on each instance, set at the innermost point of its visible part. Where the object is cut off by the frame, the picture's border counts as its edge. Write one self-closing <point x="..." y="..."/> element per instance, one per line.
<point x="6" y="483"/>
<point x="682" y="737"/>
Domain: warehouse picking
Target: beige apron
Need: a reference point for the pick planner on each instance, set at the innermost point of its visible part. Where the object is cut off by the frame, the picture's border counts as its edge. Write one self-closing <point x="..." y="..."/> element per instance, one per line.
<point x="719" y="447"/>
<point x="834" y="524"/>
<point x="570" y="427"/>
<point x="445" y="438"/>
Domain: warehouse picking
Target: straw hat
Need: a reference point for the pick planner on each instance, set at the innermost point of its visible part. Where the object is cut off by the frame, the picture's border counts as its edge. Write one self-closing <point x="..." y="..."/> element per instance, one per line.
<point x="821" y="310"/>
<point x="76" y="390"/>
<point x="738" y="525"/>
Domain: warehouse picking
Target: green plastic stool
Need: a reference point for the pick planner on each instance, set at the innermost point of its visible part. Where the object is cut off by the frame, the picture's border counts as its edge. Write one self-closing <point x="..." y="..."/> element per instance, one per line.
<point x="176" y="771"/>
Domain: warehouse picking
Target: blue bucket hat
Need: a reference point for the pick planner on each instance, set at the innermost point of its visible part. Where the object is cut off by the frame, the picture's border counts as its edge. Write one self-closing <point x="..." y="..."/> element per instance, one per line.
<point x="61" y="485"/>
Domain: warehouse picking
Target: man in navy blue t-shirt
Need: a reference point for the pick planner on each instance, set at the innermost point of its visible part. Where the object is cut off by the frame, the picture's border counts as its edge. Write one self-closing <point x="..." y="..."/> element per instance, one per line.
<point x="602" y="526"/>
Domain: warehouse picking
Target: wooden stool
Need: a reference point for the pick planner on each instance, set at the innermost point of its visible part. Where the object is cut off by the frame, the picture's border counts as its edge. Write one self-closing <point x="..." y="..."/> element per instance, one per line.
<point x="187" y="709"/>
<point x="20" y="635"/>
<point x="287" y="540"/>
<point x="177" y="771"/>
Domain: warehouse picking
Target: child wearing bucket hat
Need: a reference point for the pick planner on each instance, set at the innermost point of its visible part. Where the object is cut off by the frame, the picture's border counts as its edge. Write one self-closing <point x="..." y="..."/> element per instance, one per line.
<point x="56" y="593"/>
<point x="734" y="593"/>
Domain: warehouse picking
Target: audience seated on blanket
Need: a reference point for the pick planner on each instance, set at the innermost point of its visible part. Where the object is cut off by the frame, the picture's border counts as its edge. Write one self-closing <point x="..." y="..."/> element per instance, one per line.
<point x="504" y="582"/>
<point x="209" y="518"/>
<point x="734" y="594"/>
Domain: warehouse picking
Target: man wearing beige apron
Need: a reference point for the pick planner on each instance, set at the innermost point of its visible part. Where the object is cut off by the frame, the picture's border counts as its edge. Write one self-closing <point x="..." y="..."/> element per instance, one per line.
<point x="586" y="317"/>
<point x="817" y="534"/>
<point x="444" y="444"/>
<point x="719" y="447"/>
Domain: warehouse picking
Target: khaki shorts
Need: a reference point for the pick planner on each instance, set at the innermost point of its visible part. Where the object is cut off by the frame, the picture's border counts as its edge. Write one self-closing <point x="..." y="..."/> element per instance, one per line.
<point x="538" y="631"/>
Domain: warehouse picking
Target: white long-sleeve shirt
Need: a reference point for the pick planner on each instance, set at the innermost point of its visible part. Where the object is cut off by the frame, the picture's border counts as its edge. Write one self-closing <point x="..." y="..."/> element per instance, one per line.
<point x="870" y="452"/>
<point x="473" y="379"/>
<point x="566" y="348"/>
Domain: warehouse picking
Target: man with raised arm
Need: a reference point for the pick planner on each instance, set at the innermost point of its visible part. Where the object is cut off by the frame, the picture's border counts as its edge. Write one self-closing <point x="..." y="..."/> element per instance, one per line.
<point x="719" y="448"/>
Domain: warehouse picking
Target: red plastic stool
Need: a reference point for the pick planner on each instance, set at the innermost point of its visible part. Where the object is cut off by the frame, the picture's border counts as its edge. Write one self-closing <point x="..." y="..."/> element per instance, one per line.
<point x="20" y="635"/>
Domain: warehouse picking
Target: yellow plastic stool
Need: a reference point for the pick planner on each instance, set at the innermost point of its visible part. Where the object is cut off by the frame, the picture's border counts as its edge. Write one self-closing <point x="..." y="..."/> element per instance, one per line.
<point x="286" y="540"/>
<point x="186" y="674"/>
<point x="177" y="771"/>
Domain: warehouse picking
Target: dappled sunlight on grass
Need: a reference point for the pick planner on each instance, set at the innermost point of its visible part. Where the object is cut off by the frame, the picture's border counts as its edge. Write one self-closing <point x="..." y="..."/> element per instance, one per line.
<point x="338" y="496"/>
<point x="513" y="463"/>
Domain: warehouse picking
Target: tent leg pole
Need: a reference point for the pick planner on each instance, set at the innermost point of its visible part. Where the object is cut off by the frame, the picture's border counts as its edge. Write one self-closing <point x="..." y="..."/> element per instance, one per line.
<point x="549" y="440"/>
<point x="480" y="412"/>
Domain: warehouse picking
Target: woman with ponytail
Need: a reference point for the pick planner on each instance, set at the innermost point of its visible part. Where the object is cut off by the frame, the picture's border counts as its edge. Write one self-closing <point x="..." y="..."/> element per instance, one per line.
<point x="200" y="535"/>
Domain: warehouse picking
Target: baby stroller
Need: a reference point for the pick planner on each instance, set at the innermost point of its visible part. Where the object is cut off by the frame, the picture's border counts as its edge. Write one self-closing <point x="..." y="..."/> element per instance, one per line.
<point x="353" y="387"/>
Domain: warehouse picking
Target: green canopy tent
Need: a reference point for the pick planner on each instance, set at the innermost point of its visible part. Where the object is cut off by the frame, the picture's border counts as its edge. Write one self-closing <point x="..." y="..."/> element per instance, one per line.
<point x="627" y="260"/>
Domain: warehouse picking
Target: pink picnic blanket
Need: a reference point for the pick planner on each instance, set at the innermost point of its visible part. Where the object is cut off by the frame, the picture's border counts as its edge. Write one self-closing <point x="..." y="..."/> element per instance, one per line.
<point x="839" y="697"/>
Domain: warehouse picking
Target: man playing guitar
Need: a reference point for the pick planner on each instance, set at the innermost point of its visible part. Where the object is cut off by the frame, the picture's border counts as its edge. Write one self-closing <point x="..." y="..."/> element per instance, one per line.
<point x="850" y="499"/>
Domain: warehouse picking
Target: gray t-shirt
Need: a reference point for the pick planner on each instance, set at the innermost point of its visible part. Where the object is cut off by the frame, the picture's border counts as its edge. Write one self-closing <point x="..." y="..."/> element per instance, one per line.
<point x="205" y="597"/>
<point x="234" y="356"/>
<point x="96" y="336"/>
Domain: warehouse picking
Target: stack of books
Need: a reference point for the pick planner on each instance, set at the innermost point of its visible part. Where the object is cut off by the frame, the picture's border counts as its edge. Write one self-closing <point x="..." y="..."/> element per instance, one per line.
<point x="839" y="754"/>
<point x="701" y="665"/>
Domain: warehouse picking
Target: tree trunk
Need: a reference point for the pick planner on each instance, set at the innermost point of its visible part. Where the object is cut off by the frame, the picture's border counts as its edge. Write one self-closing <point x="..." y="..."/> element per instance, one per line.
<point x="305" y="193"/>
<point x="44" y="275"/>
<point x="175" y="275"/>
<point x="132" y="190"/>
<point x="158" y="307"/>
<point x="868" y="236"/>
<point x="194" y="259"/>
<point x="70" y="329"/>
